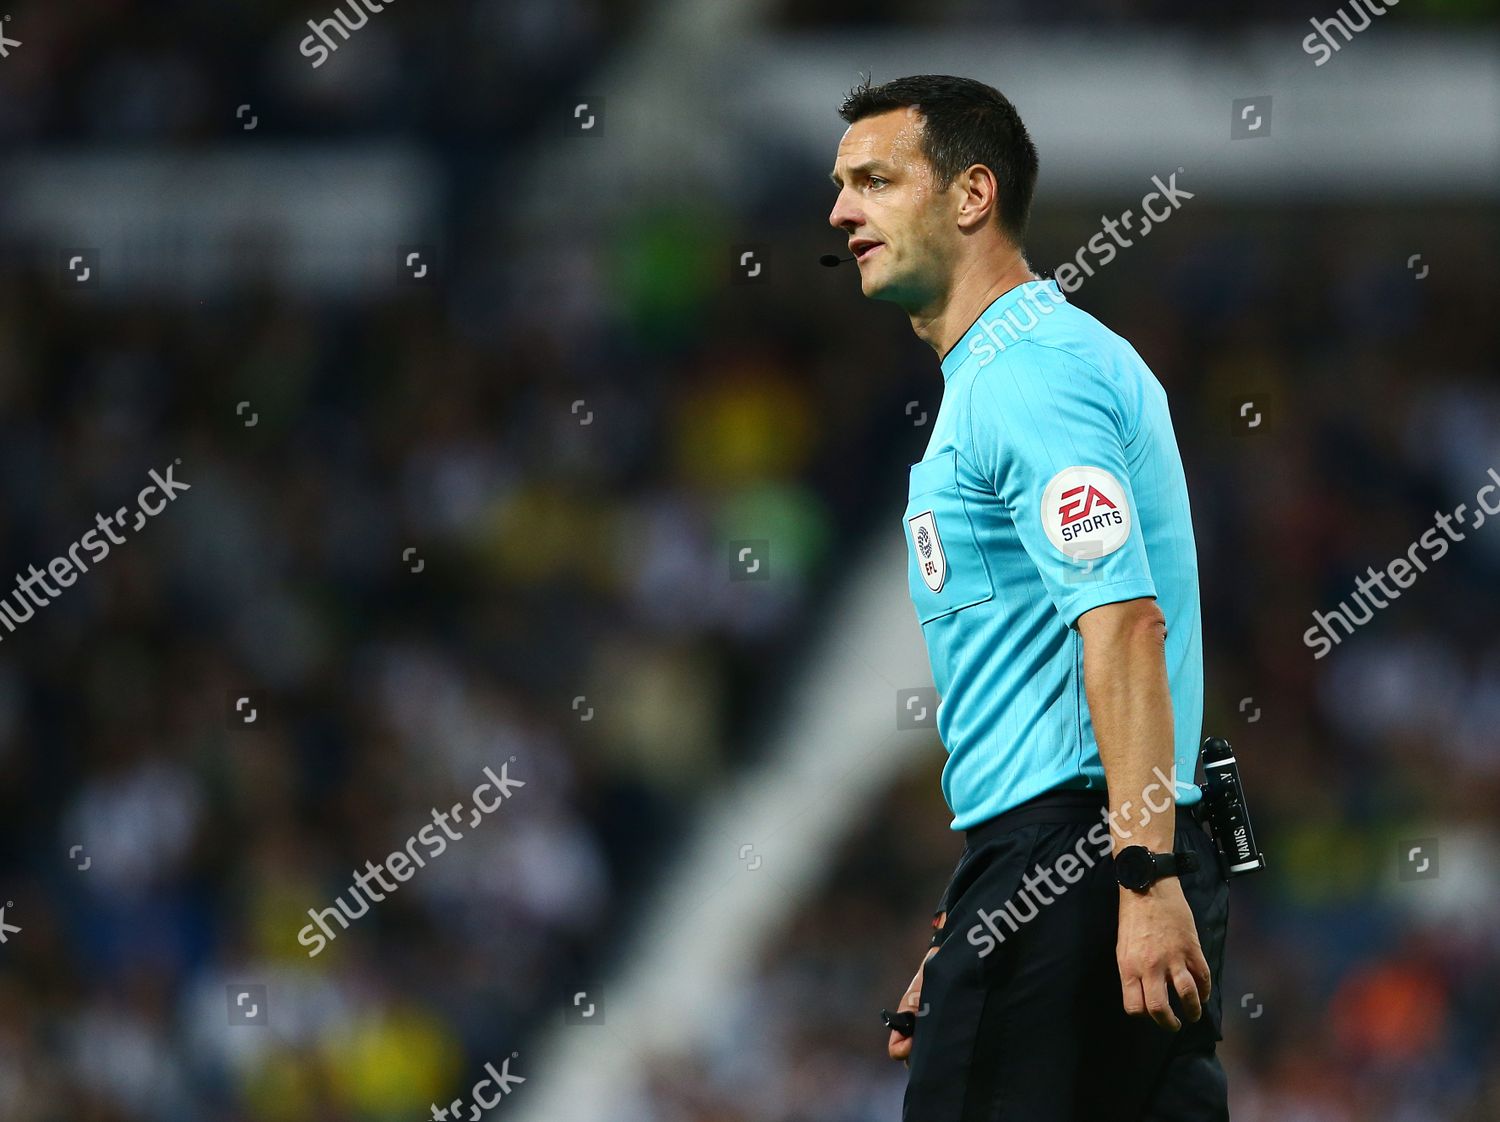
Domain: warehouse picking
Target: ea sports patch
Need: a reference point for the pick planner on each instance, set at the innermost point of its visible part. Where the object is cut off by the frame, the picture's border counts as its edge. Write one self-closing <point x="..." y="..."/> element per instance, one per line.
<point x="1085" y="513"/>
<point x="931" y="560"/>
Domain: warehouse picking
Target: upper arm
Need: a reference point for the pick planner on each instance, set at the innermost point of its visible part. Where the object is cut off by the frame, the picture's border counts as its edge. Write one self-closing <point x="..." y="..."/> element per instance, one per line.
<point x="1121" y="617"/>
<point x="1048" y="433"/>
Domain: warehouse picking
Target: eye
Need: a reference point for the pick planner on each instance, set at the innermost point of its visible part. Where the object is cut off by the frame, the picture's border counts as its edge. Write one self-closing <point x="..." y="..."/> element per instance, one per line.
<point x="876" y="180"/>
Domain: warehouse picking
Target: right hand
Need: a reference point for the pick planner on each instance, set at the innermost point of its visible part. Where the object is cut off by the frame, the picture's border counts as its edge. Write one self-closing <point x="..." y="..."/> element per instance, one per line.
<point x="898" y="1047"/>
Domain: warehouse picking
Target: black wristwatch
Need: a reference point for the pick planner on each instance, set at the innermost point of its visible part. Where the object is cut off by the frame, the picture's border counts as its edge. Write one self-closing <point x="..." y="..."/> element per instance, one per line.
<point x="1137" y="868"/>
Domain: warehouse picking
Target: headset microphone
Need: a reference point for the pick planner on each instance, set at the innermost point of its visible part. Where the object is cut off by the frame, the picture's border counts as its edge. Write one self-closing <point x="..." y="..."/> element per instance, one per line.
<point x="832" y="259"/>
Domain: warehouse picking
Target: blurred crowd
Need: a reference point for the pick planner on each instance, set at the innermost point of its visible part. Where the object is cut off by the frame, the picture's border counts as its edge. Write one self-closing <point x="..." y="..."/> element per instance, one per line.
<point x="413" y="549"/>
<point x="409" y="557"/>
<point x="462" y="73"/>
<point x="420" y="559"/>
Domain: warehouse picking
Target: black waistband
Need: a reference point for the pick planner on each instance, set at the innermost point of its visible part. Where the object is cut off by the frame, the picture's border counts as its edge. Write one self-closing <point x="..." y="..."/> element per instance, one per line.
<point x="1052" y="807"/>
<point x="1049" y="807"/>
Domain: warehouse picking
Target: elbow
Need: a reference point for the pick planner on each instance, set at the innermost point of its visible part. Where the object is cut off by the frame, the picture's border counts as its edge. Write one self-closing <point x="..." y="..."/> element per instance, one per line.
<point x="1128" y="622"/>
<point x="1150" y="626"/>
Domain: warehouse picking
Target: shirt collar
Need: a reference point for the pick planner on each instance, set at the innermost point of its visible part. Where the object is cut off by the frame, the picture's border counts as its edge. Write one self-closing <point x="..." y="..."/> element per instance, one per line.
<point x="997" y="309"/>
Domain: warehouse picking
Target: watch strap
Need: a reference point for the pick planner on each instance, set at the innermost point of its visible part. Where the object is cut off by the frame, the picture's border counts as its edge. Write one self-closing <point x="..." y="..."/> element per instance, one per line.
<point x="1161" y="865"/>
<point x="1171" y="864"/>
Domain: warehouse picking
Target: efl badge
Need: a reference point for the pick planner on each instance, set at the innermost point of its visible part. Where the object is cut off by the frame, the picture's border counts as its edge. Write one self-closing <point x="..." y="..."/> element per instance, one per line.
<point x="1085" y="512"/>
<point x="930" y="558"/>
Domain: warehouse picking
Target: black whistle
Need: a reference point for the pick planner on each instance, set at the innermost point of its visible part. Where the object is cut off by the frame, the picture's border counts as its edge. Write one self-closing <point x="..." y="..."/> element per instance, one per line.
<point x="903" y="1023"/>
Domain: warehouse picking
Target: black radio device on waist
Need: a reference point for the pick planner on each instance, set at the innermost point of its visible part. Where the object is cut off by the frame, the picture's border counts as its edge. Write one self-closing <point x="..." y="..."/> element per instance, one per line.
<point x="1224" y="807"/>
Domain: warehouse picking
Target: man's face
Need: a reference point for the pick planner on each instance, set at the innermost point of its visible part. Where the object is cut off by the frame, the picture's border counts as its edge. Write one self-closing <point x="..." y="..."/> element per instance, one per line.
<point x="887" y="195"/>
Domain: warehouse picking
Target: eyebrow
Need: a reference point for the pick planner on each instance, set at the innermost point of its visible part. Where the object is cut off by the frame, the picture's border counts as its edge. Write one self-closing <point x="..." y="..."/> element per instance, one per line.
<point x="857" y="169"/>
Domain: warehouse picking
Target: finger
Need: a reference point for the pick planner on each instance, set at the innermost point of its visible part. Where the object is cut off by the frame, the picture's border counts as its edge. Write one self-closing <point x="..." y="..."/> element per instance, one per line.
<point x="1187" y="989"/>
<point x="913" y="992"/>
<point x="1201" y="974"/>
<point x="1157" y="1006"/>
<point x="898" y="1047"/>
<point x="1134" y="999"/>
<point x="913" y="995"/>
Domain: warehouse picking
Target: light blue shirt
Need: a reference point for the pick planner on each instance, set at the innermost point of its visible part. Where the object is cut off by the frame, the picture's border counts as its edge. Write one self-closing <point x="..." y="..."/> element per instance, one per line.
<point x="1051" y="484"/>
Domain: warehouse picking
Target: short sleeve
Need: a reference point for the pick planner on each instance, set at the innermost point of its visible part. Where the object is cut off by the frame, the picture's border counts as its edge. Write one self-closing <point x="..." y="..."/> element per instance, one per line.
<point x="1048" y="432"/>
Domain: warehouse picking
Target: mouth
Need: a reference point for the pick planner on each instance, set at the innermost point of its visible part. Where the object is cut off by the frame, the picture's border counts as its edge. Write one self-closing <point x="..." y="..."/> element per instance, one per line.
<point x="863" y="250"/>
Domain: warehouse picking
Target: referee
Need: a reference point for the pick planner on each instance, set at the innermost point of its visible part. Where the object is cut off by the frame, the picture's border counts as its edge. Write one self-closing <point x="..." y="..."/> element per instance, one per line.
<point x="1054" y="575"/>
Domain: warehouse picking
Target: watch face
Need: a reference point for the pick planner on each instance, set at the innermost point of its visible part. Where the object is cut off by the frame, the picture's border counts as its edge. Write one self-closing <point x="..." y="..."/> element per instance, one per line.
<point x="1134" y="867"/>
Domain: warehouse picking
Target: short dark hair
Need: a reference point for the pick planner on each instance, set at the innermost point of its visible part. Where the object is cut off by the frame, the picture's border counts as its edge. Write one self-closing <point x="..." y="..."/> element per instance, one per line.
<point x="964" y="123"/>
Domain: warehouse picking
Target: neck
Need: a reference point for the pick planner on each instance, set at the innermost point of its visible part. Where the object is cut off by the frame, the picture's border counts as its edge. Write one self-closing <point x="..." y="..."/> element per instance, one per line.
<point x="973" y="290"/>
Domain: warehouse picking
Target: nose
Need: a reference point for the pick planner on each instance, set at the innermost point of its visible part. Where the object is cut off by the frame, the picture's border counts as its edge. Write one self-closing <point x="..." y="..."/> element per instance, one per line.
<point x="845" y="215"/>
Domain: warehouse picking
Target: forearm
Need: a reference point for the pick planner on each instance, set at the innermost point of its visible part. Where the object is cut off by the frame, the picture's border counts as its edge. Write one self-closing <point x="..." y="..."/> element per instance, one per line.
<point x="1130" y="704"/>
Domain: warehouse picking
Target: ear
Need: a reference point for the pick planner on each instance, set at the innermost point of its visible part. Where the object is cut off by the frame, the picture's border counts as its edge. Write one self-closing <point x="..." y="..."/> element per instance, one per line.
<point x="980" y="196"/>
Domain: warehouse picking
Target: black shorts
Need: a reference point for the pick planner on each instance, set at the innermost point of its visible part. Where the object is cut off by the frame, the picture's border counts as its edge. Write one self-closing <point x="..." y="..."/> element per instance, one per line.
<point x="1022" y="1018"/>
